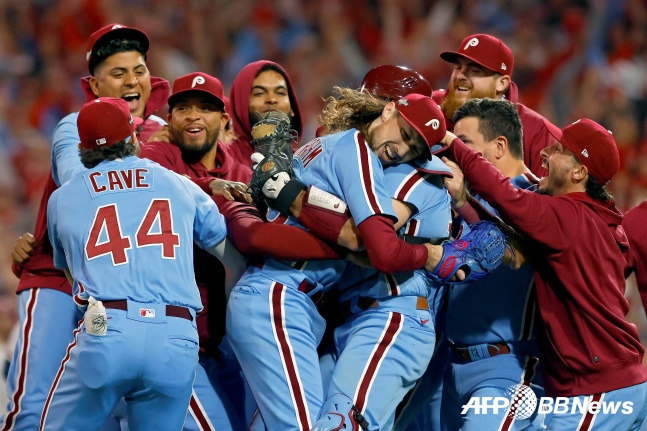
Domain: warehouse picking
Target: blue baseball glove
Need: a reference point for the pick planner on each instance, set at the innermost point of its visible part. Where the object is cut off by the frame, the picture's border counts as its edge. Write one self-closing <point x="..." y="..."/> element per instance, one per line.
<point x="478" y="253"/>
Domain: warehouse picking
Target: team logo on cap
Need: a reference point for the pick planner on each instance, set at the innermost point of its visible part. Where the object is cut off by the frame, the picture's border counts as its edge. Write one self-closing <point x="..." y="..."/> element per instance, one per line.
<point x="472" y="42"/>
<point x="197" y="80"/>
<point x="503" y="66"/>
<point x="404" y="102"/>
<point x="585" y="153"/>
<point x="100" y="141"/>
<point x="434" y="123"/>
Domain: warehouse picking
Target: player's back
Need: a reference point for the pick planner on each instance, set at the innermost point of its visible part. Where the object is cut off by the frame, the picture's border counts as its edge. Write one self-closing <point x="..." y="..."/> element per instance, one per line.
<point x="127" y="228"/>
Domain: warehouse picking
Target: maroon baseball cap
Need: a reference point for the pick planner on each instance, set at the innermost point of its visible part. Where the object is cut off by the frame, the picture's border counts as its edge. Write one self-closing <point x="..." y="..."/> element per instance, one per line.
<point x="593" y="146"/>
<point x="486" y="50"/>
<point x="197" y="81"/>
<point x="111" y="32"/>
<point x="105" y="121"/>
<point x="425" y="116"/>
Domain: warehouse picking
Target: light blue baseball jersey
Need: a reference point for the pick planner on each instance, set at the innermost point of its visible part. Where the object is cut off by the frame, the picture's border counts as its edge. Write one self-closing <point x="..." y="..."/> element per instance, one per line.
<point x="126" y="228"/>
<point x="431" y="219"/>
<point x="500" y="307"/>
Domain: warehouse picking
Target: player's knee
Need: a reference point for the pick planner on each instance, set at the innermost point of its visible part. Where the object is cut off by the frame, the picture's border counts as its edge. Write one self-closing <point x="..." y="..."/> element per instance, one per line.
<point x="339" y="413"/>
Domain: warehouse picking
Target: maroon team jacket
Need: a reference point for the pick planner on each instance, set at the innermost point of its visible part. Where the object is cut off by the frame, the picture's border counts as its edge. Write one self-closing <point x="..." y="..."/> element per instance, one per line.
<point x="39" y="271"/>
<point x="636" y="229"/>
<point x="579" y="249"/>
<point x="535" y="135"/>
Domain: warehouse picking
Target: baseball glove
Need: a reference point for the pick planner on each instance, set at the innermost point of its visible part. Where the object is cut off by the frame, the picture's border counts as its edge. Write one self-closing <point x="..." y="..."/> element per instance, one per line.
<point x="478" y="253"/>
<point x="272" y="138"/>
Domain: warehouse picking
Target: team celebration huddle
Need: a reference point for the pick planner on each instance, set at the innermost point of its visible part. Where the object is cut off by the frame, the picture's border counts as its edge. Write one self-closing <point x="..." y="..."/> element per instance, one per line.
<point x="429" y="260"/>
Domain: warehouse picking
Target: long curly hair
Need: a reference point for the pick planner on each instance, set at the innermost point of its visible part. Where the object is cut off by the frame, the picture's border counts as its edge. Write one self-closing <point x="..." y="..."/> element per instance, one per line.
<point x="350" y="109"/>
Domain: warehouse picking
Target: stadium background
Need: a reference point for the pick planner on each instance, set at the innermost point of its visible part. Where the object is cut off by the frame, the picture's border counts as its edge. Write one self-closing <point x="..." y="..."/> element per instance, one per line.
<point x="573" y="59"/>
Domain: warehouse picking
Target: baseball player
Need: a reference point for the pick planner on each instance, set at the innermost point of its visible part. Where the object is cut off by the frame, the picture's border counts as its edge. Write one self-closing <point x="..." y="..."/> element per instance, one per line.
<point x="194" y="120"/>
<point x="260" y="87"/>
<point x="591" y="355"/>
<point x="495" y="349"/>
<point x="367" y="341"/>
<point x="272" y="309"/>
<point x="116" y="58"/>
<point x="386" y="343"/>
<point x="129" y="256"/>
<point x="482" y="67"/>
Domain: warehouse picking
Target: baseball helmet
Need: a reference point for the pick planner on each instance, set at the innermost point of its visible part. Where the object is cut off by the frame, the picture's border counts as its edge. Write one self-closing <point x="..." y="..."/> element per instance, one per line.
<point x="395" y="82"/>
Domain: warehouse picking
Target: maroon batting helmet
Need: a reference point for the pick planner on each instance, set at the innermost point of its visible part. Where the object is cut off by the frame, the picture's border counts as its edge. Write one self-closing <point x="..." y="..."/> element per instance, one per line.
<point x="395" y="82"/>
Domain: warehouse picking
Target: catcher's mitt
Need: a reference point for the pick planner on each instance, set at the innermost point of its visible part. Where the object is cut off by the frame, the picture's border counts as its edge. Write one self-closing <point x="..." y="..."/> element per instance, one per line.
<point x="272" y="138"/>
<point x="478" y="253"/>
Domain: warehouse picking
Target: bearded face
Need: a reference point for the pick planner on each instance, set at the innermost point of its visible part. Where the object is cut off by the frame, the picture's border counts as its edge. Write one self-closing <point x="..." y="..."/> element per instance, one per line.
<point x="463" y="89"/>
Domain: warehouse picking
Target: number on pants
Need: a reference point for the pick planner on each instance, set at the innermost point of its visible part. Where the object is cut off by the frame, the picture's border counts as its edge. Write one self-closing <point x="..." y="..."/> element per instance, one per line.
<point x="116" y="244"/>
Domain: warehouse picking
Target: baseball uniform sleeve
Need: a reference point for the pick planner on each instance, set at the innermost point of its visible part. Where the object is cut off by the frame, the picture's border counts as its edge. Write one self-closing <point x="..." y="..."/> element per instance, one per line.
<point x="361" y="179"/>
<point x="209" y="225"/>
<point x="52" y="230"/>
<point x="65" y="152"/>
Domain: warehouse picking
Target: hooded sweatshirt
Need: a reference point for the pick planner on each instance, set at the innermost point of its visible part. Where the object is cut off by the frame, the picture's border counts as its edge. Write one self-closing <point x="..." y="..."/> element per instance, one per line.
<point x="579" y="250"/>
<point x="636" y="229"/>
<point x="39" y="271"/>
<point x="535" y="135"/>
<point x="241" y="149"/>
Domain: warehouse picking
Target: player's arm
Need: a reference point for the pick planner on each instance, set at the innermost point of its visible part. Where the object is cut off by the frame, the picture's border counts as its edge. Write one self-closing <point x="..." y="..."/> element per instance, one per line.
<point x="22" y="250"/>
<point x="251" y="234"/>
<point x="65" y="152"/>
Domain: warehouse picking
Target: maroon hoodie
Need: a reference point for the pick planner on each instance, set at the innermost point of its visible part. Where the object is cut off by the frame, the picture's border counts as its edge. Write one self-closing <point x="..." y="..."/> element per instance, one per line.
<point x="579" y="249"/>
<point x="39" y="271"/>
<point x="241" y="149"/>
<point x="636" y="229"/>
<point x="535" y="135"/>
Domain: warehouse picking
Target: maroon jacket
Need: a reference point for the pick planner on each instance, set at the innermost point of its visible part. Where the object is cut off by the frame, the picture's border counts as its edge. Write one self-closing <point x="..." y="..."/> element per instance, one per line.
<point x="535" y="135"/>
<point x="241" y="149"/>
<point x="39" y="271"/>
<point x="636" y="229"/>
<point x="579" y="250"/>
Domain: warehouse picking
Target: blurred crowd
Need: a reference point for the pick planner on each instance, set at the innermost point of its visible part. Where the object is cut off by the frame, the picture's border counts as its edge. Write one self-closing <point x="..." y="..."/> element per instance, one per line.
<point x="572" y="59"/>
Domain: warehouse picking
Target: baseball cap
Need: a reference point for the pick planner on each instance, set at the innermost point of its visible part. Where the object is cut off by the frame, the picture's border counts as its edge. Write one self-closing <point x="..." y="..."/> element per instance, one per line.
<point x="425" y="116"/>
<point x="394" y="82"/>
<point x="197" y="81"/>
<point x="486" y="50"/>
<point x="592" y="144"/>
<point x="105" y="121"/>
<point x="111" y="32"/>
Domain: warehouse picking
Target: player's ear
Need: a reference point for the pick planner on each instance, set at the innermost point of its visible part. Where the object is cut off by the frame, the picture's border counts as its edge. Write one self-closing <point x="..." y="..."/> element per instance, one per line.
<point x="223" y="120"/>
<point x="501" y="148"/>
<point x="94" y="85"/>
<point x="502" y="84"/>
<point x="388" y="111"/>
<point x="579" y="172"/>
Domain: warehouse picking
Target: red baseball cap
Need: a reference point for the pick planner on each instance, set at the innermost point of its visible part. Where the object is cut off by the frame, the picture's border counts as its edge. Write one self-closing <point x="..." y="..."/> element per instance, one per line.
<point x="425" y="116"/>
<point x="486" y="50"/>
<point x="110" y="32"/>
<point x="593" y="146"/>
<point x="105" y="121"/>
<point x="197" y="81"/>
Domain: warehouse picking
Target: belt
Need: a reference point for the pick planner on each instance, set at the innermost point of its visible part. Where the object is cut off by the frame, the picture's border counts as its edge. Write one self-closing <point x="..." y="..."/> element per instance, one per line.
<point x="171" y="310"/>
<point x="475" y="352"/>
<point x="304" y="287"/>
<point x="366" y="302"/>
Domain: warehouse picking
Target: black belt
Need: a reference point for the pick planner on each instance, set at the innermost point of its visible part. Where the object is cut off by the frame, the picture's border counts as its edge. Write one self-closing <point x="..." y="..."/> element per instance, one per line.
<point x="171" y="310"/>
<point x="413" y="239"/>
<point x="304" y="287"/>
<point x="494" y="349"/>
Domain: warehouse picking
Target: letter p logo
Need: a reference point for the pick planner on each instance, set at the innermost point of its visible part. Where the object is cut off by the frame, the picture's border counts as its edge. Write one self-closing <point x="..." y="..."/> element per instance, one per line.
<point x="472" y="42"/>
<point x="197" y="80"/>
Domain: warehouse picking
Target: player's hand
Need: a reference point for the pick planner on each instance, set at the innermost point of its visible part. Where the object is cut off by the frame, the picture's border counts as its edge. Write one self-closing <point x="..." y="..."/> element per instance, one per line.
<point x="230" y="190"/>
<point x="162" y="134"/>
<point x="23" y="249"/>
<point x="447" y="140"/>
<point x="455" y="186"/>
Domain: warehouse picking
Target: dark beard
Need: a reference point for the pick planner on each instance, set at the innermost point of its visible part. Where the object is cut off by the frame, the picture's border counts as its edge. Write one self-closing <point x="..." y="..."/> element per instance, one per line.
<point x="191" y="154"/>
